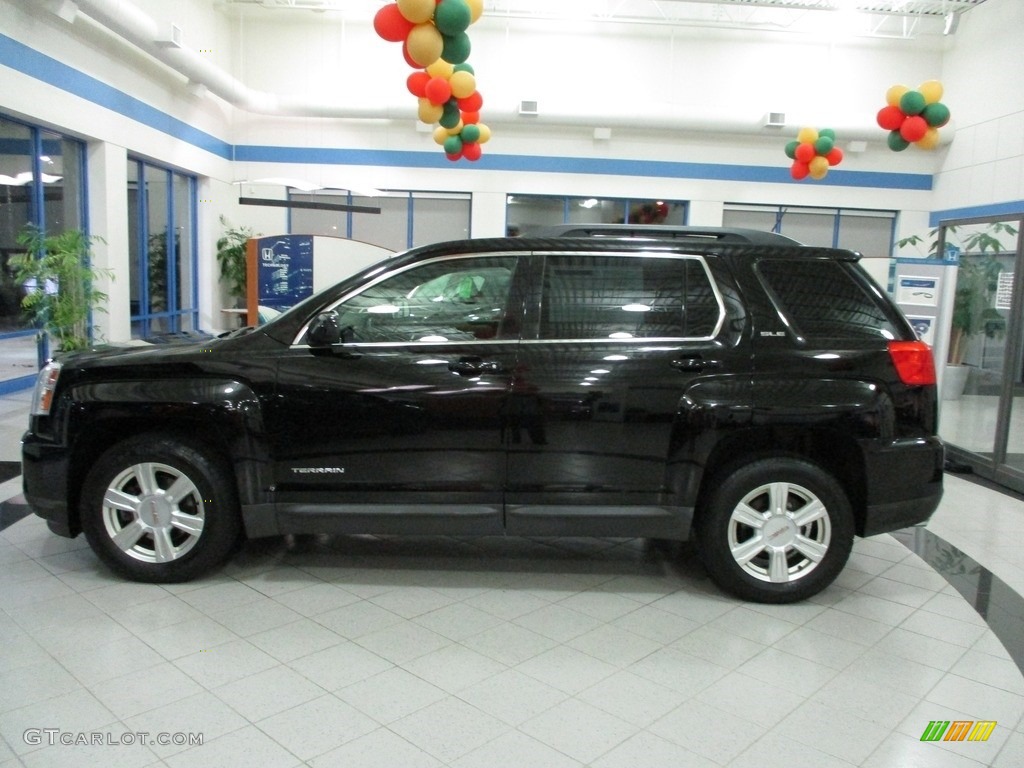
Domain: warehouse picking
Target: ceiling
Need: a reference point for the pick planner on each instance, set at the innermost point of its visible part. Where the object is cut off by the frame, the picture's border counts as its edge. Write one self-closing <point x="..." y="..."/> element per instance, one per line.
<point x="875" y="18"/>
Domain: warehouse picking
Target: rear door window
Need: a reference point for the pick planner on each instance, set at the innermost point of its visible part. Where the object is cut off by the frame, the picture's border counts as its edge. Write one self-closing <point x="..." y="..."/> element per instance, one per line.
<point x="623" y="297"/>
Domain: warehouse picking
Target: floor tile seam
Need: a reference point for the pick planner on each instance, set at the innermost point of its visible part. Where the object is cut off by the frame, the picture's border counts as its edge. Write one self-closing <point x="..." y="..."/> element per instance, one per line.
<point x="917" y="538"/>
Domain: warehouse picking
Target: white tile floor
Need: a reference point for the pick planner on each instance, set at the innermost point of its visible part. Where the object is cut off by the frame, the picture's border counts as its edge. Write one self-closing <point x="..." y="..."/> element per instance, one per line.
<point x="362" y="651"/>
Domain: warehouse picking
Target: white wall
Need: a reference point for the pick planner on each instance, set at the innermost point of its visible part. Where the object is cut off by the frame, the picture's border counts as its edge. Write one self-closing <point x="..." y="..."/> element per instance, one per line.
<point x="985" y="164"/>
<point x="669" y="96"/>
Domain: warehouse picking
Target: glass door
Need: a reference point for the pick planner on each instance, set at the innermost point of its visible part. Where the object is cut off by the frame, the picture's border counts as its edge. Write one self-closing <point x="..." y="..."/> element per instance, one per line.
<point x="982" y="411"/>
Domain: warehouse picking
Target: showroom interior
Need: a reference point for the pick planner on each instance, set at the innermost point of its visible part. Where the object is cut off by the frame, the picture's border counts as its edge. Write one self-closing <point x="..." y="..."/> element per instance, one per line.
<point x="157" y="128"/>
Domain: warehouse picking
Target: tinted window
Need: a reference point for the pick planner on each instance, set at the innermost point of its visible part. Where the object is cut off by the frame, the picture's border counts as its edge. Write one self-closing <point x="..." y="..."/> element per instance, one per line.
<point x="600" y="297"/>
<point x="822" y="299"/>
<point x="449" y="300"/>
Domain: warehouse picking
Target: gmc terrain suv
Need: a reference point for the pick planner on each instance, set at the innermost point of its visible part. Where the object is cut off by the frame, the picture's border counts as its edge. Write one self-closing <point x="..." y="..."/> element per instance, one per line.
<point x="764" y="397"/>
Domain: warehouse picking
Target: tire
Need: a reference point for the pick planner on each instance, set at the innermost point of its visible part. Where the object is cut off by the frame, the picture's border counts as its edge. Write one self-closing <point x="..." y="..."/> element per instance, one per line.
<point x="779" y="556"/>
<point x="159" y="510"/>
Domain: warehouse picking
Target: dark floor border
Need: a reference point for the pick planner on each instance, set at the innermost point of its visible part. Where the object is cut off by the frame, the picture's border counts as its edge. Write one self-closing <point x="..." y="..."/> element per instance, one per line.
<point x="996" y="602"/>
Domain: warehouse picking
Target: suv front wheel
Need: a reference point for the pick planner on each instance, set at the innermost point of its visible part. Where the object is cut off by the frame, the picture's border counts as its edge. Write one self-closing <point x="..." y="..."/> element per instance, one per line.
<point x="156" y="509"/>
<point x="776" y="530"/>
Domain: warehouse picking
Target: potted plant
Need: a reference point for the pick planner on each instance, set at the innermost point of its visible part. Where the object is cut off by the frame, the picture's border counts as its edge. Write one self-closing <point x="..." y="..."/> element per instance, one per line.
<point x="973" y="311"/>
<point x="231" y="258"/>
<point x="59" y="282"/>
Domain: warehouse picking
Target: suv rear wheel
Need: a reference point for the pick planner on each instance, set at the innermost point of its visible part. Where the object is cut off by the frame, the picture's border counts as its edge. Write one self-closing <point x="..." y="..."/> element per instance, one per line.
<point x="776" y="530"/>
<point x="156" y="509"/>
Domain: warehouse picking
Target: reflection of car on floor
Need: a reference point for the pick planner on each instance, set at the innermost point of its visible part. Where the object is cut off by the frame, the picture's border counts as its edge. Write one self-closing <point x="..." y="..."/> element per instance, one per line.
<point x="764" y="398"/>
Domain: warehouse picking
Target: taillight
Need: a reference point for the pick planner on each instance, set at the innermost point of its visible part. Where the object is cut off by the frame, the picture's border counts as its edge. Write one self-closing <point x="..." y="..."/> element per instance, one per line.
<point x="46" y="383"/>
<point x="913" y="361"/>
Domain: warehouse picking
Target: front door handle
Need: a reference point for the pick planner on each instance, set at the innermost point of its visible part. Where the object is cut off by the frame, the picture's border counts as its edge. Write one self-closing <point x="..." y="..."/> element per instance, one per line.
<point x="694" y="364"/>
<point x="472" y="366"/>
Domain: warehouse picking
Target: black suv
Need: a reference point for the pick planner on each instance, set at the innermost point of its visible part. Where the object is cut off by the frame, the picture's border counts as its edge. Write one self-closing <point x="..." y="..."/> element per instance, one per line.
<point x="764" y="397"/>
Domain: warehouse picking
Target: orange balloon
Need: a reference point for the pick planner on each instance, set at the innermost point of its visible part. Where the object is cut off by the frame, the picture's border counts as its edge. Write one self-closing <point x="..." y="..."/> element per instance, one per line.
<point x="930" y="140"/>
<point x="894" y="94"/>
<point x="424" y="44"/>
<point x="417" y="11"/>
<point x="429" y="113"/>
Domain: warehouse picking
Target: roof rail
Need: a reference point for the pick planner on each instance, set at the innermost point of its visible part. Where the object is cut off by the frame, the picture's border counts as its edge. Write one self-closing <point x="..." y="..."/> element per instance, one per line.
<point x="723" y="235"/>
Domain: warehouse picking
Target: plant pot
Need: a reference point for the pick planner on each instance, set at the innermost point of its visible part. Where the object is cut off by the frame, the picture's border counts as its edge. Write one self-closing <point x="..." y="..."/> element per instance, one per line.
<point x="954" y="380"/>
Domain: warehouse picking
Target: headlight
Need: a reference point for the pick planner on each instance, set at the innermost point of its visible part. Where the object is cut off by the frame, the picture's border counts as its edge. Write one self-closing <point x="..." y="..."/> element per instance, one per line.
<point x="46" y="383"/>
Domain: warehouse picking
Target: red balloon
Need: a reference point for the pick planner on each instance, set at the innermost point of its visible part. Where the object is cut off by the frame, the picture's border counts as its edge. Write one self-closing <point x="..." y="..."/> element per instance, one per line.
<point x="890" y="118"/>
<point x="409" y="59"/>
<point x="417" y="84"/>
<point x="454" y="157"/>
<point x="835" y="157"/>
<point x="799" y="170"/>
<point x="914" y="128"/>
<point x="470" y="118"/>
<point x="804" y="153"/>
<point x="390" y="24"/>
<point x="471" y="103"/>
<point x="472" y="151"/>
<point x="438" y="90"/>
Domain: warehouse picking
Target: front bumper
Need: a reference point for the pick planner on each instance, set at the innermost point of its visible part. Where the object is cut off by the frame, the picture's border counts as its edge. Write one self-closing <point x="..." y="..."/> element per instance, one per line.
<point x="44" y="473"/>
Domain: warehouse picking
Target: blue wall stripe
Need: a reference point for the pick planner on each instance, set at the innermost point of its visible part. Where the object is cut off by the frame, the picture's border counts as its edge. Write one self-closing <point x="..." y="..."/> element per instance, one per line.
<point x="1012" y="208"/>
<point x="584" y="165"/>
<point x="30" y="62"/>
<point x="7" y="386"/>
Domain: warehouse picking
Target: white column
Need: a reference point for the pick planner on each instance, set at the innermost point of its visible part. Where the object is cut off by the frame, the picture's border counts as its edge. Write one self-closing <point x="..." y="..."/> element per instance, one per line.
<point x="108" y="220"/>
<point x="487" y="218"/>
<point x="706" y="213"/>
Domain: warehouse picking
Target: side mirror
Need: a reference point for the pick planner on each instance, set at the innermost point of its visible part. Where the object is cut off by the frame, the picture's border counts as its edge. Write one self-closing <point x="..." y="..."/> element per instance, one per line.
<point x="324" y="332"/>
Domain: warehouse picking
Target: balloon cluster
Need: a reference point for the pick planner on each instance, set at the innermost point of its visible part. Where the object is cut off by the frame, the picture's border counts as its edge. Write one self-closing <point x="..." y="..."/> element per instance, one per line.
<point x="913" y="117"/>
<point x="435" y="43"/>
<point x="813" y="153"/>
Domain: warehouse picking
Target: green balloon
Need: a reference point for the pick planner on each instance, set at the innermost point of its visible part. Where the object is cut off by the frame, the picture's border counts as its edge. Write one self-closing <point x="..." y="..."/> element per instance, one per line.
<point x="452" y="145"/>
<point x="456" y="48"/>
<point x="791" y="149"/>
<point x="824" y="144"/>
<point x="828" y="133"/>
<point x="912" y="103"/>
<point x="936" y="115"/>
<point x="452" y="17"/>
<point x="471" y="133"/>
<point x="896" y="142"/>
<point x="450" y="115"/>
<point x="464" y="67"/>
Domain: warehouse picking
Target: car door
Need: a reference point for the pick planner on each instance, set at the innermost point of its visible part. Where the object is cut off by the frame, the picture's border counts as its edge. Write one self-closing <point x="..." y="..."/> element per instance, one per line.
<point x="398" y="428"/>
<point x="598" y="399"/>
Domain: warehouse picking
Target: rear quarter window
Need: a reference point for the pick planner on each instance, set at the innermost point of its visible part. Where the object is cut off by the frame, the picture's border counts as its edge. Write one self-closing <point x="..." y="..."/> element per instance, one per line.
<point x="826" y="299"/>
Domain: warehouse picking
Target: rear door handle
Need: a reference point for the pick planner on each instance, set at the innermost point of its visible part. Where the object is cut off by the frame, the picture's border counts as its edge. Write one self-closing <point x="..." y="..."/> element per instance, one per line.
<point x="694" y="364"/>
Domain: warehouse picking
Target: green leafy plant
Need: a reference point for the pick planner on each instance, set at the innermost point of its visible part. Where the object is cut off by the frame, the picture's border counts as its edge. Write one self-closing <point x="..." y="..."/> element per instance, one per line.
<point x="231" y="258"/>
<point x="59" y="280"/>
<point x="977" y="280"/>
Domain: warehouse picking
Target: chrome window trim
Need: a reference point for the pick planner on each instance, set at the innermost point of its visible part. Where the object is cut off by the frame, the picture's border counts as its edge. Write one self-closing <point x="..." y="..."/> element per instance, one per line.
<point x="386" y="274"/>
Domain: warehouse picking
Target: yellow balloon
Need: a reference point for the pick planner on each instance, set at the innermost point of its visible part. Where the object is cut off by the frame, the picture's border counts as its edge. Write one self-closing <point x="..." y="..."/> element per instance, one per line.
<point x="440" y="134"/>
<point x="894" y="94"/>
<point x="485" y="133"/>
<point x="807" y="135"/>
<point x="818" y="167"/>
<point x="930" y="140"/>
<point x="463" y="84"/>
<point x="441" y="68"/>
<point x="476" y="8"/>
<point x="424" y="44"/>
<point x="417" y="11"/>
<point x="430" y="113"/>
<point x="931" y="90"/>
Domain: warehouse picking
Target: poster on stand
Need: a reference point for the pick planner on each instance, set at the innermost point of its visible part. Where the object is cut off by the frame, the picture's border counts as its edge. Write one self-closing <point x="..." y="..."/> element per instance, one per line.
<point x="923" y="291"/>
